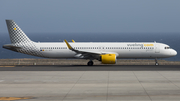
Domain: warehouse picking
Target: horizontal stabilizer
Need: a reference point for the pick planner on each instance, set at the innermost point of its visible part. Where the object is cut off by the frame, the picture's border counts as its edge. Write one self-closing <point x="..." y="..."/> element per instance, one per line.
<point x="11" y="47"/>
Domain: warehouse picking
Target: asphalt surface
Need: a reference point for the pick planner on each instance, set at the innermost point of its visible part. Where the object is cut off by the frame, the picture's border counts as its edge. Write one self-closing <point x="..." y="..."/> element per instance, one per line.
<point x="90" y="83"/>
<point x="91" y="68"/>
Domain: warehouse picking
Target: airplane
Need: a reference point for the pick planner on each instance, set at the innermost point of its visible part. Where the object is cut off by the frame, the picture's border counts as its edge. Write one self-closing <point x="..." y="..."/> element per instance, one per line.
<point x="105" y="52"/>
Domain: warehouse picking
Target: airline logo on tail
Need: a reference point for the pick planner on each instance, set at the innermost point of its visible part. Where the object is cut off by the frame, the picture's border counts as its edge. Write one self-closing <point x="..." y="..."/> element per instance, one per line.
<point x="19" y="41"/>
<point x="15" y="33"/>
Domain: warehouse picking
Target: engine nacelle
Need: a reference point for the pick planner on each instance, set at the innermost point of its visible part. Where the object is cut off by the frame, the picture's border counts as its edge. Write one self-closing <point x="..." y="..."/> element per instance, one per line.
<point x="108" y="58"/>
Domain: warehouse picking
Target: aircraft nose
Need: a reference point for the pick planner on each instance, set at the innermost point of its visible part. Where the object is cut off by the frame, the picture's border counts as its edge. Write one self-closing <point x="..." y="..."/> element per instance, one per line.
<point x="174" y="53"/>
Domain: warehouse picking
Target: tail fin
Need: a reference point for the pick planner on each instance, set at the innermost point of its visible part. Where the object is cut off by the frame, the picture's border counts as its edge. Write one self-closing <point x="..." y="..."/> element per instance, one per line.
<point x="15" y="33"/>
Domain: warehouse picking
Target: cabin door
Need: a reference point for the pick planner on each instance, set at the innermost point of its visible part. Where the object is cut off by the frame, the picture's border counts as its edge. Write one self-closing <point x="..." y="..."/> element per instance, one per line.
<point x="157" y="48"/>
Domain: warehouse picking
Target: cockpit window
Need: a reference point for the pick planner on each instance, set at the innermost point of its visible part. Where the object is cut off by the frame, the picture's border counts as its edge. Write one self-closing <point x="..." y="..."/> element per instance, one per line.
<point x="166" y="47"/>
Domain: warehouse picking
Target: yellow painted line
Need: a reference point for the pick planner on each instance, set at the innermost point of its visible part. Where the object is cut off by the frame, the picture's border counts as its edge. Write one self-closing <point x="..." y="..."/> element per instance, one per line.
<point x="7" y="66"/>
<point x="13" y="98"/>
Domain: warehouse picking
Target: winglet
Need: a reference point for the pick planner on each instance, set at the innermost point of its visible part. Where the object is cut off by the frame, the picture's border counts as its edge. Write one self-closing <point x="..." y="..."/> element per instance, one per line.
<point x="69" y="46"/>
<point x="73" y="41"/>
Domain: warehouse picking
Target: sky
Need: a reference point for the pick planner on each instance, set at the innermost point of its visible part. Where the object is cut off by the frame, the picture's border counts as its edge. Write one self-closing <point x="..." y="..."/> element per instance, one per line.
<point x="92" y="16"/>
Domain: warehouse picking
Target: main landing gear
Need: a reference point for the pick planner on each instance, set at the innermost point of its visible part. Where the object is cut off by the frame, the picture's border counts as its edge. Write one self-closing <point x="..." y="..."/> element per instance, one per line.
<point x="90" y="63"/>
<point x="156" y="62"/>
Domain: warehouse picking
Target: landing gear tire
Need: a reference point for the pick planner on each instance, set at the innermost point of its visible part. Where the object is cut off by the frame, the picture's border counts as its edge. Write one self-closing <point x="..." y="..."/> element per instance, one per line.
<point x="90" y="63"/>
<point x="157" y="64"/>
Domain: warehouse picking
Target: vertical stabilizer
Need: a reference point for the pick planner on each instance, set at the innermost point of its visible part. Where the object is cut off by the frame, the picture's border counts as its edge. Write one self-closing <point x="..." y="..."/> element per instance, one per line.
<point x="15" y="33"/>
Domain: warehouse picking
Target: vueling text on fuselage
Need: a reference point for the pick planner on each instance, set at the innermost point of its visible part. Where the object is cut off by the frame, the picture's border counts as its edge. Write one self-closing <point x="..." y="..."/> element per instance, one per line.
<point x="141" y="45"/>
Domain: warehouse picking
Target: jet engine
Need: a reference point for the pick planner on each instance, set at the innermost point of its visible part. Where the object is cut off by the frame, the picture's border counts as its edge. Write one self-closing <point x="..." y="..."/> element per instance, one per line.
<point x="108" y="58"/>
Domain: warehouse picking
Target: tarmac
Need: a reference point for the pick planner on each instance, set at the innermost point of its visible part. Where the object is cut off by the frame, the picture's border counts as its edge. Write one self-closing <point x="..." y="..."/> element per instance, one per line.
<point x="90" y="83"/>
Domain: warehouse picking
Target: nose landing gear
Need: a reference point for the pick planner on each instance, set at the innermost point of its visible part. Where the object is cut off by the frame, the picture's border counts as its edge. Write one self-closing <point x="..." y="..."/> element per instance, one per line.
<point x="156" y="62"/>
<point x="90" y="63"/>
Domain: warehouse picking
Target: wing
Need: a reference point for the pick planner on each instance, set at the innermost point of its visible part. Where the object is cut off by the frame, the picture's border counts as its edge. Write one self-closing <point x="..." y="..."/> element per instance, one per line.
<point x="73" y="41"/>
<point x="84" y="54"/>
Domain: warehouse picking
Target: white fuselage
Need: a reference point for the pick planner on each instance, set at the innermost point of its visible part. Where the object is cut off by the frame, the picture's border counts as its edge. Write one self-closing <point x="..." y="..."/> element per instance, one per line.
<point x="106" y="52"/>
<point x="121" y="49"/>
